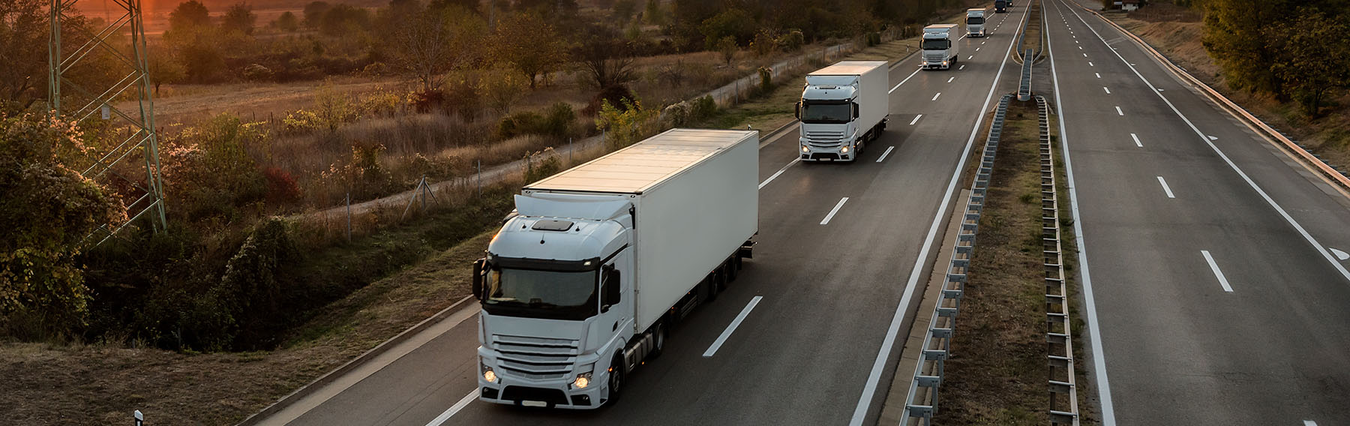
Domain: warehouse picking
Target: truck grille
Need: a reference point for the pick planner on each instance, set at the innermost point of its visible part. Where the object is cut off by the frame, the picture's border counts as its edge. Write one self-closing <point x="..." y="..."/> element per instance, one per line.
<point x="534" y="357"/>
<point x="824" y="139"/>
<point x="933" y="58"/>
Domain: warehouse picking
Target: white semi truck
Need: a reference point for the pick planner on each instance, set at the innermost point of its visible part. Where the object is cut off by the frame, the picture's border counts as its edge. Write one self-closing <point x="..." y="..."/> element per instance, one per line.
<point x="975" y="22"/>
<point x="584" y="279"/>
<point x="843" y="107"/>
<point x="940" y="49"/>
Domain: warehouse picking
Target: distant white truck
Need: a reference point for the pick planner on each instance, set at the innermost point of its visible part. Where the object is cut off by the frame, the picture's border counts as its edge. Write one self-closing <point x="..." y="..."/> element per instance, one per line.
<point x="975" y="22"/>
<point x="940" y="49"/>
<point x="843" y="107"/>
<point x="584" y="279"/>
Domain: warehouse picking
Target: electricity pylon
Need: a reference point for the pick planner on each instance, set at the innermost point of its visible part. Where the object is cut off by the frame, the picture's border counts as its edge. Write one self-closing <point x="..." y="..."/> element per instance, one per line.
<point x="132" y="82"/>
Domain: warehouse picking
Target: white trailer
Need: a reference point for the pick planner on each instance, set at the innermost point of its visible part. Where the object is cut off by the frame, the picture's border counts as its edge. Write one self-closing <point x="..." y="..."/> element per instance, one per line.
<point x="843" y="107"/>
<point x="581" y="284"/>
<point x="975" y="22"/>
<point x="940" y="47"/>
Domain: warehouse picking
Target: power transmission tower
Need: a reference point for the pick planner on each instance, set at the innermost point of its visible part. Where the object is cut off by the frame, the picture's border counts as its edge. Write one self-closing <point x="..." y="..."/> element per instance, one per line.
<point x="133" y="136"/>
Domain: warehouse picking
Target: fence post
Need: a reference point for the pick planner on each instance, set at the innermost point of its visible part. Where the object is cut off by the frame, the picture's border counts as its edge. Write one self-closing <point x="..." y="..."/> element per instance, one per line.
<point x="480" y="178"/>
<point x="349" y="217"/>
<point x="425" y="189"/>
<point x="570" y="149"/>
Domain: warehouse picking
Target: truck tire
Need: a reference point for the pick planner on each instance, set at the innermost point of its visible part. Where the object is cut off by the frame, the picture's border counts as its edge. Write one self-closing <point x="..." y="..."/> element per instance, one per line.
<point x="616" y="379"/>
<point x="732" y="270"/>
<point x="658" y="341"/>
<point x="710" y="286"/>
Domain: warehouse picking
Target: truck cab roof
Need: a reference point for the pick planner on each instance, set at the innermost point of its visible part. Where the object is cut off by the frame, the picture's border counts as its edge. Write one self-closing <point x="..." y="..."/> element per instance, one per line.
<point x="584" y="239"/>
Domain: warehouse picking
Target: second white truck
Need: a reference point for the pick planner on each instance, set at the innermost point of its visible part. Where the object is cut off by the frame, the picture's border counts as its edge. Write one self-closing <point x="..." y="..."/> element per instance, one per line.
<point x="843" y="107"/>
<point x="940" y="49"/>
<point x="583" y="281"/>
<point x="975" y="22"/>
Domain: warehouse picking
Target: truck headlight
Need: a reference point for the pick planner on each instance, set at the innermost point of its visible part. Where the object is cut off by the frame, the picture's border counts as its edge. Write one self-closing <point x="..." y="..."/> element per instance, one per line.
<point x="944" y="63"/>
<point x="583" y="380"/>
<point x="804" y="149"/>
<point x="844" y="150"/>
<point x="488" y="375"/>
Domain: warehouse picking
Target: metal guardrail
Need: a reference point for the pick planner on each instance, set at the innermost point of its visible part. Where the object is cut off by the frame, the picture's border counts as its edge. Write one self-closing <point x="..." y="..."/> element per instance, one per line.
<point x="922" y="399"/>
<point x="1024" y="88"/>
<point x="1339" y="175"/>
<point x="1059" y="333"/>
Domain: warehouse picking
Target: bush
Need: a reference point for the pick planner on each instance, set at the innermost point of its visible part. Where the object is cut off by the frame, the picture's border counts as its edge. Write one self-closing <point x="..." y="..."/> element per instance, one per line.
<point x="558" y="122"/>
<point x="615" y="95"/>
<point x="208" y="171"/>
<point x="539" y="165"/>
<point x="426" y="101"/>
<point x="281" y="187"/>
<point x="703" y="107"/>
<point x="518" y="124"/>
<point x="791" y="41"/>
<point x="765" y="80"/>
<point x="764" y="43"/>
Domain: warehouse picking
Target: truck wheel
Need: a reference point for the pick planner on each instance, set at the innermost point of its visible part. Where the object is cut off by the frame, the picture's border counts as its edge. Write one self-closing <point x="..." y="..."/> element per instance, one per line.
<point x="658" y="341"/>
<point x="616" y="376"/>
<point x="731" y="269"/>
<point x="710" y="285"/>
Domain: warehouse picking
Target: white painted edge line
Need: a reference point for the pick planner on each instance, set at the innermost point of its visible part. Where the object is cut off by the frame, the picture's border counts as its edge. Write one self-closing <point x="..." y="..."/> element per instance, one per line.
<point x="730" y="328"/>
<point x="832" y="212"/>
<point x="1095" y="353"/>
<point x="463" y="402"/>
<point x="1321" y="249"/>
<point x="1108" y="91"/>
<point x="780" y="171"/>
<point x="915" y="120"/>
<point x="870" y="387"/>
<point x="1118" y="111"/>
<point x="1166" y="189"/>
<point x="1136" y="140"/>
<point x="884" y="154"/>
<point x="903" y="81"/>
<point x="936" y="96"/>
<point x="1217" y="273"/>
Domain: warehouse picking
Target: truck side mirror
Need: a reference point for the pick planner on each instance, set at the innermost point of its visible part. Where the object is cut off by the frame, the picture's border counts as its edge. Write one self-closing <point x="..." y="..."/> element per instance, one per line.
<point x="797" y="112"/>
<point x="478" y="278"/>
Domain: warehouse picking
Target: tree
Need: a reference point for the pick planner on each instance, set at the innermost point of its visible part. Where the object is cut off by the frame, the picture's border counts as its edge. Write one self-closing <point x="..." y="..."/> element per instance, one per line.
<point x="468" y="5"/>
<point x="23" y="41"/>
<point x="428" y="43"/>
<point x="314" y="12"/>
<point x="735" y="23"/>
<point x="1313" y="57"/>
<point x="654" y="14"/>
<point x="605" y="58"/>
<point x="501" y="89"/>
<point x="288" y="22"/>
<point x="624" y="10"/>
<point x="344" y="19"/>
<point x="188" y="16"/>
<point x="47" y="209"/>
<point x="239" y="18"/>
<point x="529" y="44"/>
<point x="1237" y="35"/>
<point x="164" y="68"/>
<point x="727" y="48"/>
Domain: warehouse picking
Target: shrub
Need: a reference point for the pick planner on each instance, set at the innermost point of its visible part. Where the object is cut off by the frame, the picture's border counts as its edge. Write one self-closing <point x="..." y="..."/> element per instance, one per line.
<point x="558" y="121"/>
<point x="208" y="170"/>
<point x="615" y="95"/>
<point x="791" y="41"/>
<point x="764" y="43"/>
<point x="627" y="125"/>
<point x="281" y="187"/>
<point x="703" y="107"/>
<point x="426" y="101"/>
<point x="257" y="72"/>
<point x="539" y="165"/>
<point x="765" y="80"/>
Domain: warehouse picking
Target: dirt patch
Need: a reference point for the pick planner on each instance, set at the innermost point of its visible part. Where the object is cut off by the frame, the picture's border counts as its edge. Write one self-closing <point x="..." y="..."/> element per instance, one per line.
<point x="100" y="384"/>
<point x="997" y="371"/>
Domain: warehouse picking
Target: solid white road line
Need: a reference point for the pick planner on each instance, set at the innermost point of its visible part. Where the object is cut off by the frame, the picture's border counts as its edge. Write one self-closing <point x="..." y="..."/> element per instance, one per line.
<point x="1217" y="273"/>
<point x="1166" y="189"/>
<point x="1136" y="140"/>
<point x="463" y="402"/>
<point x="950" y="79"/>
<point x="1321" y="249"/>
<point x="780" y="171"/>
<point x="884" y="154"/>
<point x="1094" y="335"/>
<point x="936" y="96"/>
<point x="903" y="81"/>
<point x="835" y="210"/>
<point x="730" y="328"/>
<point x="915" y="120"/>
<point x="1108" y="91"/>
<point x="888" y="343"/>
<point x="1118" y="111"/>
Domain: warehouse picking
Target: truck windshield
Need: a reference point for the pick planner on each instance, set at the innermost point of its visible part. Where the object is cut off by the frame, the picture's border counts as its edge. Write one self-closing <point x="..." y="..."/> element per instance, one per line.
<point x="936" y="44"/>
<point x="827" y="113"/>
<point x="541" y="294"/>
<point x="976" y="20"/>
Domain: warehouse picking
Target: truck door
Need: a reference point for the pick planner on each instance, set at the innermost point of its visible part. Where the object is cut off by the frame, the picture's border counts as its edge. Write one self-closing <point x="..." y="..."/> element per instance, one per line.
<point x="616" y="293"/>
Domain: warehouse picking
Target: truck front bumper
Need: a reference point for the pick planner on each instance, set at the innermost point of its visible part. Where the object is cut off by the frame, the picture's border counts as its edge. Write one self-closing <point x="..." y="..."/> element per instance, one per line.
<point x="551" y="394"/>
<point x="846" y="151"/>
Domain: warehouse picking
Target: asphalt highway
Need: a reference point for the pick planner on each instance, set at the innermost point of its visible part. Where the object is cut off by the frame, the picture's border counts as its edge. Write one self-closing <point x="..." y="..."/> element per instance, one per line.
<point x="1213" y="295"/>
<point x="816" y="347"/>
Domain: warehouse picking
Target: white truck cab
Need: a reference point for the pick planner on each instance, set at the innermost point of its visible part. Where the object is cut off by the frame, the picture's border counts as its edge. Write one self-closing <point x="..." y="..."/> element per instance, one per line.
<point x="975" y="22"/>
<point x="843" y="107"/>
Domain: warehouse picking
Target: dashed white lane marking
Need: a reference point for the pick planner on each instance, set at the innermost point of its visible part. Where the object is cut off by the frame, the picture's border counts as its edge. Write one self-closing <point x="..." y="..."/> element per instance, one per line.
<point x="970" y="57"/>
<point x="780" y="171"/>
<point x="1090" y="64"/>
<point x="884" y="154"/>
<point x="977" y="49"/>
<point x="916" y="119"/>
<point x="463" y="402"/>
<point x="1099" y="75"/>
<point x="1136" y="140"/>
<point x="1223" y="281"/>
<point x="1340" y="255"/>
<point x="834" y="211"/>
<point x="1084" y="55"/>
<point x="963" y="66"/>
<point x="950" y="79"/>
<point x="1309" y="423"/>
<point x="734" y="323"/>
<point x="1166" y="188"/>
<point x="936" y="96"/>
<point x="1108" y="91"/>
<point x="1118" y="111"/>
<point x="1213" y="138"/>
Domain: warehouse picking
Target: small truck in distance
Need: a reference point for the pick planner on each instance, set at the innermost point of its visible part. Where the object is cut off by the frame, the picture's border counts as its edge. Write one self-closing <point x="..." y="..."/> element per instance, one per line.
<point x="940" y="49"/>
<point x="843" y="107"/>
